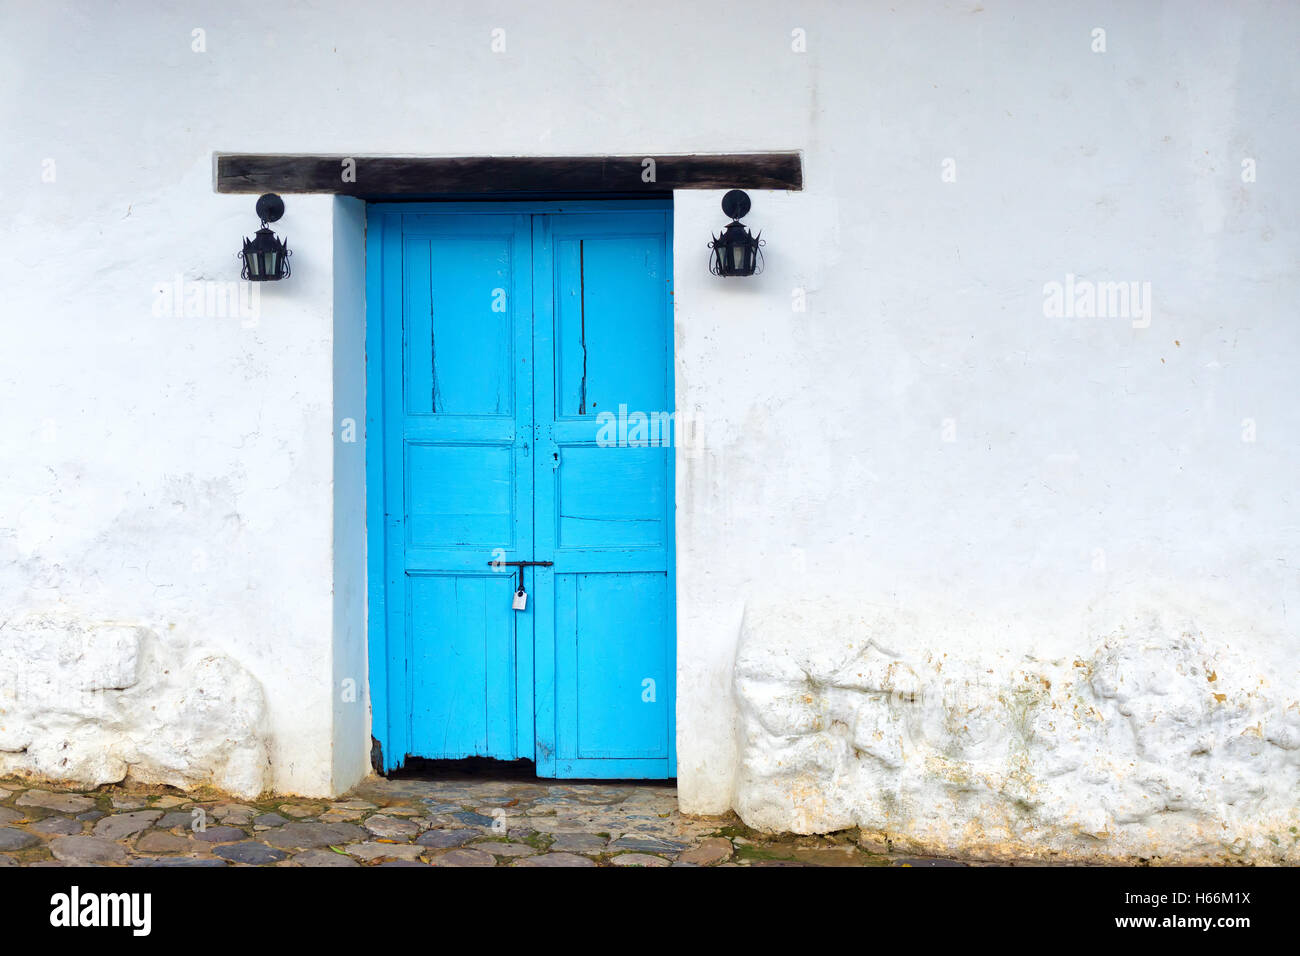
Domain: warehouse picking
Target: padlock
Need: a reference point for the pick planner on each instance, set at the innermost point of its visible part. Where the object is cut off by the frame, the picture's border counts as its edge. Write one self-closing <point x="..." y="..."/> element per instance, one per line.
<point x="520" y="601"/>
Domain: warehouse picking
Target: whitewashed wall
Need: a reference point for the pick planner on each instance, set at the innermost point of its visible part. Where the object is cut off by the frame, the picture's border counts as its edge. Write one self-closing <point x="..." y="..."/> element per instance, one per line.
<point x="922" y="442"/>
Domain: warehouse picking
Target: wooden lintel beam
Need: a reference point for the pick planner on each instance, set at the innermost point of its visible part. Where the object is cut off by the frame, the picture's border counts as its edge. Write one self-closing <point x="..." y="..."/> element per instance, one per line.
<point x="425" y="176"/>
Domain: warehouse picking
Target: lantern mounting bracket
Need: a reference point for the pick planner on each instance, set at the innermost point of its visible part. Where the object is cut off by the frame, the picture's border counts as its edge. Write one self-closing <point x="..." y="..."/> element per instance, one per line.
<point x="270" y="208"/>
<point x="736" y="204"/>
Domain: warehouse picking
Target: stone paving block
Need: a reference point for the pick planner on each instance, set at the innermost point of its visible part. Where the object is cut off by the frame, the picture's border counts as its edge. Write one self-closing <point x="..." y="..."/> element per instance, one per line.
<point x="505" y="849"/>
<point x="646" y="844"/>
<point x="251" y="852"/>
<point x="379" y="851"/>
<point x="11" y="839"/>
<point x="468" y="819"/>
<point x="58" y="826"/>
<point x="62" y="802"/>
<point x="565" y="825"/>
<point x="353" y="805"/>
<point x="580" y="843"/>
<point x="918" y="861"/>
<point x="554" y="859"/>
<point x="183" y="861"/>
<point x="382" y="825"/>
<point x="122" y="825"/>
<point x="464" y="857"/>
<point x="323" y="858"/>
<point x="160" y="841"/>
<point x="311" y="836"/>
<point x="502" y="801"/>
<point x="443" y="839"/>
<point x="219" y="834"/>
<point x="711" y="851"/>
<point x="235" y="815"/>
<point x="639" y="859"/>
<point x="177" y="818"/>
<point x="83" y="850"/>
<point x="341" y="816"/>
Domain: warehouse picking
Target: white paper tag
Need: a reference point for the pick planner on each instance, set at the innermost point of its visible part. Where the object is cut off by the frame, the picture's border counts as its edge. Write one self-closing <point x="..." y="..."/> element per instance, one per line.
<point x="520" y="601"/>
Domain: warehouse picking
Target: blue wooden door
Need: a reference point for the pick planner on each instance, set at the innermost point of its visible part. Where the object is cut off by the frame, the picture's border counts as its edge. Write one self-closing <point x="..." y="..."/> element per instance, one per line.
<point x="509" y="347"/>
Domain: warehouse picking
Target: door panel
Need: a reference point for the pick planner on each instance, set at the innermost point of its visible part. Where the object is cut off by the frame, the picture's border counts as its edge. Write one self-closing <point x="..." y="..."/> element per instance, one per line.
<point x="459" y="495"/>
<point x="462" y="665"/>
<point x="459" y="350"/>
<point x="508" y="338"/>
<point x="610" y="316"/>
<point x="610" y="497"/>
<point x="612" y="663"/>
<point x="604" y="512"/>
<point x="458" y="482"/>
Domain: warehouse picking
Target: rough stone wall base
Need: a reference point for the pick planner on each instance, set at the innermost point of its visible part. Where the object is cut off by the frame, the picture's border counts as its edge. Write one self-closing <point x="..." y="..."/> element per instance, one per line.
<point x="100" y="703"/>
<point x="1161" y="738"/>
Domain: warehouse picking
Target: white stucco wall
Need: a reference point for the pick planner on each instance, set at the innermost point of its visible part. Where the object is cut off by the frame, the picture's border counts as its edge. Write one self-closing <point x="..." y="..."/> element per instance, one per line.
<point x="922" y="441"/>
<point x="351" y="713"/>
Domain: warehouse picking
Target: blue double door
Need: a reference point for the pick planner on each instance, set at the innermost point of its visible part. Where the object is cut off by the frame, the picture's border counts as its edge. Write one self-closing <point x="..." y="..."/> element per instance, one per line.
<point x="519" y="383"/>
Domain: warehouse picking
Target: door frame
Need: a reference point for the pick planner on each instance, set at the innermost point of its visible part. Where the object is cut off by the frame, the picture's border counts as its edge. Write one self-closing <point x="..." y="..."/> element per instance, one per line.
<point x="387" y="714"/>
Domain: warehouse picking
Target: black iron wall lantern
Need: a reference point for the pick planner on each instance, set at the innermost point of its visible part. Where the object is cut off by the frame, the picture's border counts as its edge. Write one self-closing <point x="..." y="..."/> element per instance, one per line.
<point x="735" y="251"/>
<point x="266" y="258"/>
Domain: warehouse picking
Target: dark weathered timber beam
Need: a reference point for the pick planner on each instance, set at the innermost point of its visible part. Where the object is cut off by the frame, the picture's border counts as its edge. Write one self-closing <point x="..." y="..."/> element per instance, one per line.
<point x="410" y="176"/>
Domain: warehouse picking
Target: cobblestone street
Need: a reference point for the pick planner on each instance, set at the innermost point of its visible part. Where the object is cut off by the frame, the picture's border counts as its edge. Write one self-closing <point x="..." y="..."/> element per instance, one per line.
<point x="407" y="821"/>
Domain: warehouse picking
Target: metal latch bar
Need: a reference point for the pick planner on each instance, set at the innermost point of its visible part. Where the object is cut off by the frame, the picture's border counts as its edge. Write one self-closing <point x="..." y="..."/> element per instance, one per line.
<point x="521" y="565"/>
